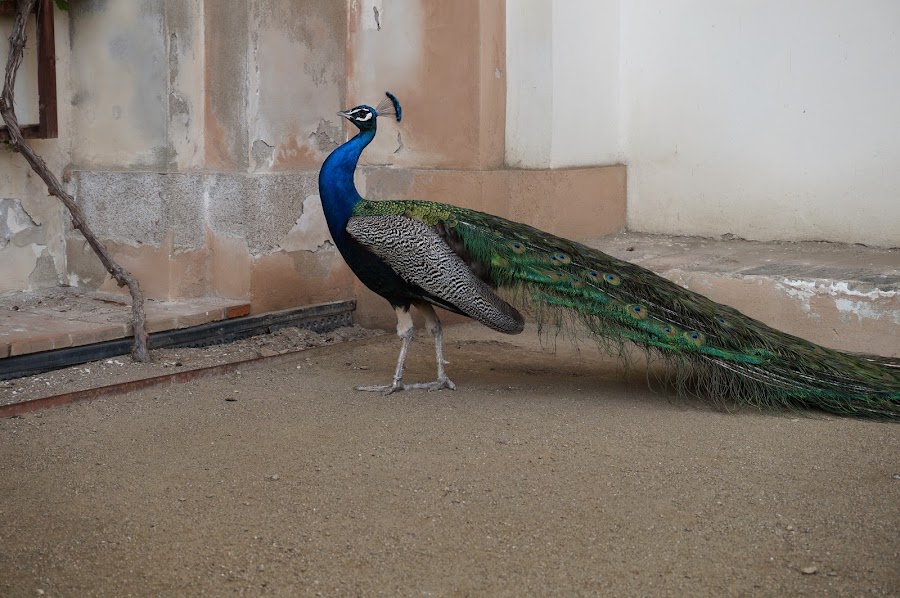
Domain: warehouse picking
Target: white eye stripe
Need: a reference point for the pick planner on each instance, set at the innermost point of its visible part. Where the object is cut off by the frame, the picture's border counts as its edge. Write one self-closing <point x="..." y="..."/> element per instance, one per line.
<point x="361" y="115"/>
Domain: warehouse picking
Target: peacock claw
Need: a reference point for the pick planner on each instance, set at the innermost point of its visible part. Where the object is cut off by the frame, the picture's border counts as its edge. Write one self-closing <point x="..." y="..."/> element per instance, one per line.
<point x="387" y="389"/>
<point x="439" y="384"/>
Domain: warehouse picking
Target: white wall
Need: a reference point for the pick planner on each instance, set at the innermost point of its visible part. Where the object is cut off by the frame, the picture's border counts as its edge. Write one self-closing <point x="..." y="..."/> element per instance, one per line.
<point x="529" y="83"/>
<point x="768" y="119"/>
<point x="562" y="96"/>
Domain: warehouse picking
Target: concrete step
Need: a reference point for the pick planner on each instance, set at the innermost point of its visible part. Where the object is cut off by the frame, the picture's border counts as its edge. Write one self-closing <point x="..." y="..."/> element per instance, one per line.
<point x="842" y="296"/>
<point x="68" y="317"/>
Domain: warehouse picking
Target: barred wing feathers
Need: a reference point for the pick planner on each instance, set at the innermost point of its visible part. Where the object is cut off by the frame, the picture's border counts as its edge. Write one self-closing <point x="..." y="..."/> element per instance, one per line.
<point x="423" y="259"/>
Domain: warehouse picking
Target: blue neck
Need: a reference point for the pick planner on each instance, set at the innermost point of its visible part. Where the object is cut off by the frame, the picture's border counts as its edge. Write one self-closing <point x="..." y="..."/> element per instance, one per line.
<point x="336" y="187"/>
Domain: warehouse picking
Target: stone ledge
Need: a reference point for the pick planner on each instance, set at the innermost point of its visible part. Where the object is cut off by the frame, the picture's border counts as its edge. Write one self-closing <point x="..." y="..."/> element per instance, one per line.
<point x="65" y="317"/>
<point x="841" y="296"/>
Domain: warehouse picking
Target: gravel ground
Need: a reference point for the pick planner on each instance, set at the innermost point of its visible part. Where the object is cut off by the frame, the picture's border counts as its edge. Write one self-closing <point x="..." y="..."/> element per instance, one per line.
<point x="165" y="361"/>
<point x="544" y="474"/>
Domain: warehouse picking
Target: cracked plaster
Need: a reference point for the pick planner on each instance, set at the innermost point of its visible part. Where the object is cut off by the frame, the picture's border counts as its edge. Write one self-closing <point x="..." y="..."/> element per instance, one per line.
<point x="310" y="233"/>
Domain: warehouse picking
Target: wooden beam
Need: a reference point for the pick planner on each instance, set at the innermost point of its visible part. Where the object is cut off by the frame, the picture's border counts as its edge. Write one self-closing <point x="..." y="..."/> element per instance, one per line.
<point x="46" y="49"/>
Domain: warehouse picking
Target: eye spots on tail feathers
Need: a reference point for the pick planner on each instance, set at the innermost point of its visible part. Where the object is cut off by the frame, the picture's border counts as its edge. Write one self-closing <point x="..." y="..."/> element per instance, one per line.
<point x="551" y="275"/>
<point x="637" y="311"/>
<point x="556" y="275"/>
<point x="560" y="258"/>
<point x="723" y="322"/>
<point x="695" y="338"/>
<point x="611" y="279"/>
<point x="668" y="330"/>
<point x="517" y="247"/>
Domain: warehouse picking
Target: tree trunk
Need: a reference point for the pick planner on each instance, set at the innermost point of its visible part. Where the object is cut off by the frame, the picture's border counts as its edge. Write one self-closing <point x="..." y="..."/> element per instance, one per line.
<point x="7" y="111"/>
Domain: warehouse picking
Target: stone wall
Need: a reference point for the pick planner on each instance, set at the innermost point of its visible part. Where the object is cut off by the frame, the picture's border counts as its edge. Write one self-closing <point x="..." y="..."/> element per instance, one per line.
<point x="192" y="132"/>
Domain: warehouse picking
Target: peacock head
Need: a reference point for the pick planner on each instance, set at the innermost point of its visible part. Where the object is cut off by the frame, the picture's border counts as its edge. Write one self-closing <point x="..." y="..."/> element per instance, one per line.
<point x="364" y="116"/>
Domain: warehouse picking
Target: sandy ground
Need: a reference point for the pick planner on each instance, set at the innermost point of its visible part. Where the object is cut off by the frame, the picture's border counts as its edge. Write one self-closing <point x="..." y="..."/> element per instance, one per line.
<point x="544" y="474"/>
<point x="120" y="369"/>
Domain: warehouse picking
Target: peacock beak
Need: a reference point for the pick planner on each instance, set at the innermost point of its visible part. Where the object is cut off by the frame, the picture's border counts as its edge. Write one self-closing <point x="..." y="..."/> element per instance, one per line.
<point x="345" y="114"/>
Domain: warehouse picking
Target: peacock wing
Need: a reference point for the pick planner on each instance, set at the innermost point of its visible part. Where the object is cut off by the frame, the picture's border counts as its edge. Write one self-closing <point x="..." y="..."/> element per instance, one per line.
<point x="423" y="259"/>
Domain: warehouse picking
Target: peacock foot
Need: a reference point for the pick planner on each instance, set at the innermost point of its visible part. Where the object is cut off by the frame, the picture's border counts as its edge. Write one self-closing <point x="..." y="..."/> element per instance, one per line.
<point x="387" y="389"/>
<point x="439" y="384"/>
<point x="384" y="389"/>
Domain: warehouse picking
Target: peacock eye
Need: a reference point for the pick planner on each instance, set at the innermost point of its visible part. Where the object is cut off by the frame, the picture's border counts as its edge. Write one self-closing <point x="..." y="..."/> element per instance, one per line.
<point x="638" y="311"/>
<point x="361" y="115"/>
<point x="517" y="247"/>
<point x="695" y="338"/>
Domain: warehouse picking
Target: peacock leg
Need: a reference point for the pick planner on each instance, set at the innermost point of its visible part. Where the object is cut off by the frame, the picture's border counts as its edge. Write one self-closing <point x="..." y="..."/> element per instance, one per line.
<point x="434" y="327"/>
<point x="405" y="332"/>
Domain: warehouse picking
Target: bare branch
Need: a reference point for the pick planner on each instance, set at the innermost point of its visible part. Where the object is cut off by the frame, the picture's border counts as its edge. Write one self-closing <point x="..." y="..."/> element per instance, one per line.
<point x="7" y="111"/>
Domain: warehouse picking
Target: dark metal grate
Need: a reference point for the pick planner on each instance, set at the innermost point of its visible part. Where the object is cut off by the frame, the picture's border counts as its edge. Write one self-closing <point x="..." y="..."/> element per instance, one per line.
<point x="320" y="318"/>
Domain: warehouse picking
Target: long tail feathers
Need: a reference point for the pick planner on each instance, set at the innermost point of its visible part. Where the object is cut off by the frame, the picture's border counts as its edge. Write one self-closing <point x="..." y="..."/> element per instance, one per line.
<point x="712" y="347"/>
<point x="722" y="351"/>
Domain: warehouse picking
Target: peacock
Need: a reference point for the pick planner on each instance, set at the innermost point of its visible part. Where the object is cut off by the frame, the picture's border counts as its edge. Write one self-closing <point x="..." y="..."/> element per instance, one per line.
<point x="427" y="254"/>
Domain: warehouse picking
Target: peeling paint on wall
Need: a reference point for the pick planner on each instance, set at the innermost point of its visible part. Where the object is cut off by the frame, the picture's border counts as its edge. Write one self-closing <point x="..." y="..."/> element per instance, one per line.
<point x="297" y="74"/>
<point x="310" y="233"/>
<point x="866" y="309"/>
<point x="44" y="268"/>
<point x="802" y="290"/>
<point x="327" y="136"/>
<point x="862" y="303"/>
<point x="25" y="259"/>
<point x="14" y="221"/>
<point x="185" y="135"/>
<point x="262" y="155"/>
<point x="373" y="12"/>
<point x="805" y="289"/>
